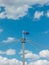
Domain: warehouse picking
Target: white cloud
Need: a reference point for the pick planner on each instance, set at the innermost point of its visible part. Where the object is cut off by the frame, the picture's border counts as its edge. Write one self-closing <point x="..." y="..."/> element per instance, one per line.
<point x="30" y="55"/>
<point x="9" y="40"/>
<point x="39" y="62"/>
<point x="47" y="13"/>
<point x="38" y="14"/>
<point x="18" y="8"/>
<point x="16" y="12"/>
<point x="6" y="61"/>
<point x="44" y="54"/>
<point x="8" y="52"/>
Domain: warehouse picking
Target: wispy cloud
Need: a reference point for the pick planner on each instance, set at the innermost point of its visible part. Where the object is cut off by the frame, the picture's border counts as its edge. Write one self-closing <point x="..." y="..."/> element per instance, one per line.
<point x="8" y="52"/>
<point x="11" y="40"/>
<point x="1" y="30"/>
<point x="47" y="14"/>
<point x="38" y="14"/>
<point x="45" y="32"/>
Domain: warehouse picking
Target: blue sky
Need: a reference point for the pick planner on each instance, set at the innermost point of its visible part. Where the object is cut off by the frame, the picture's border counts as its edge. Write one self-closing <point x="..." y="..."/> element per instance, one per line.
<point x="31" y="16"/>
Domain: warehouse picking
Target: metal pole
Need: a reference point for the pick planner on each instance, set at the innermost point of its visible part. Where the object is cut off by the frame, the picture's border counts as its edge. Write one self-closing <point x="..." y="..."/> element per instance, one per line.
<point x="23" y="43"/>
<point x="23" y="61"/>
<point x="23" y="56"/>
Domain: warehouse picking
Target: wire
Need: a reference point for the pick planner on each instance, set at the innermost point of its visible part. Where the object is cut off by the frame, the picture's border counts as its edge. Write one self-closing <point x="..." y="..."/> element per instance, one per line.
<point x="47" y="57"/>
<point x="38" y="44"/>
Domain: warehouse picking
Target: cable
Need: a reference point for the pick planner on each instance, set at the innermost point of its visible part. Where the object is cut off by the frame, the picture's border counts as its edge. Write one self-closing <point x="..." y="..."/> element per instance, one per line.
<point x="37" y="44"/>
